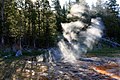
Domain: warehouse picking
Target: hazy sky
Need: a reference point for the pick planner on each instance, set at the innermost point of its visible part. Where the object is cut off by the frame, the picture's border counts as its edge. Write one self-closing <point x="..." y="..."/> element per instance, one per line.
<point x="88" y="1"/>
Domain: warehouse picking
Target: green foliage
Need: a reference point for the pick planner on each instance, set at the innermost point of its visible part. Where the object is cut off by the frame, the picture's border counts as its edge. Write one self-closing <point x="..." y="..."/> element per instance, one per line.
<point x="109" y="12"/>
<point x="112" y="20"/>
<point x="6" y="54"/>
<point x="108" y="52"/>
<point x="31" y="23"/>
<point x="24" y="53"/>
<point x="38" y="24"/>
<point x="33" y="53"/>
<point x="112" y="7"/>
<point x="60" y="14"/>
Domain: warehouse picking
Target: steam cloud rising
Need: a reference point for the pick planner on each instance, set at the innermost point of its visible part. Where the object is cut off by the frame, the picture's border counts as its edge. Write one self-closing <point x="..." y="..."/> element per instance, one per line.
<point x="79" y="36"/>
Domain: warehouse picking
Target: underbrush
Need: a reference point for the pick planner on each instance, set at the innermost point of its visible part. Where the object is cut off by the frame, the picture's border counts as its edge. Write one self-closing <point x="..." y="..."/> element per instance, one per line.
<point x="109" y="52"/>
<point x="24" y="53"/>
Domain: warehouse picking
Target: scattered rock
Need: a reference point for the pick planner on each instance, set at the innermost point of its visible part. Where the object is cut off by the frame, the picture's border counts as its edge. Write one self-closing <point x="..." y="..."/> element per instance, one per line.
<point x="81" y="70"/>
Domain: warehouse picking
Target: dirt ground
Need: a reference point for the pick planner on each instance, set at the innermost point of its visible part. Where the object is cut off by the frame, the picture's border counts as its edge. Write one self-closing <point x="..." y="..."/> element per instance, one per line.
<point x="91" y="68"/>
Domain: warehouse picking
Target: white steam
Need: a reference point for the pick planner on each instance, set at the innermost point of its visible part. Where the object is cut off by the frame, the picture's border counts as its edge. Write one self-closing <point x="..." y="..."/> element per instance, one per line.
<point x="79" y="36"/>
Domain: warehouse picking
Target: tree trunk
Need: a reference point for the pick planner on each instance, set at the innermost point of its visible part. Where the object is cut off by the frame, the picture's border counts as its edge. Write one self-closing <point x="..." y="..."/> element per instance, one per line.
<point x="39" y="25"/>
<point x="2" y="15"/>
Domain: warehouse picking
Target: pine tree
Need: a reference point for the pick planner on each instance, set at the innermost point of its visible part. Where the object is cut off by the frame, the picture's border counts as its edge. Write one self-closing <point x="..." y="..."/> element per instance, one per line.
<point x="2" y="22"/>
<point x="58" y="10"/>
<point x="77" y="1"/>
<point x="31" y="24"/>
<point x="111" y="20"/>
<point x="64" y="14"/>
<point x="99" y="8"/>
<point x="113" y="7"/>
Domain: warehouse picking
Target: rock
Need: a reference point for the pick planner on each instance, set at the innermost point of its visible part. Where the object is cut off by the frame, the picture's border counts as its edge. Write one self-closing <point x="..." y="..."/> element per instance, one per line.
<point x="18" y="53"/>
<point x="40" y="58"/>
<point x="43" y="69"/>
<point x="43" y="78"/>
<point x="66" y="71"/>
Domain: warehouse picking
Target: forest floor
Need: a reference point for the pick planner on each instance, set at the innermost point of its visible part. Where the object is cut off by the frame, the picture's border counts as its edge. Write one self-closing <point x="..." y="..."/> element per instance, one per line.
<point x="92" y="67"/>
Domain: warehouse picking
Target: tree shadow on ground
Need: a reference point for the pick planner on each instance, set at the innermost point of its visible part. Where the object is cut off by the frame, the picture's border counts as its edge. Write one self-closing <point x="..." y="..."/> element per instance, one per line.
<point x="13" y="67"/>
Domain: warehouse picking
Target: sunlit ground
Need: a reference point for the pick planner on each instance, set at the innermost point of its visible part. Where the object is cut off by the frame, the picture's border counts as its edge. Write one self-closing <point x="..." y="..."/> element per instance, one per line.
<point x="100" y="65"/>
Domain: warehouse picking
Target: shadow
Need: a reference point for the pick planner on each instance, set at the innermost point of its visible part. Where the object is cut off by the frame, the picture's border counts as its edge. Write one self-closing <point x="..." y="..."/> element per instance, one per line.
<point x="8" y="67"/>
<point x="19" y="68"/>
